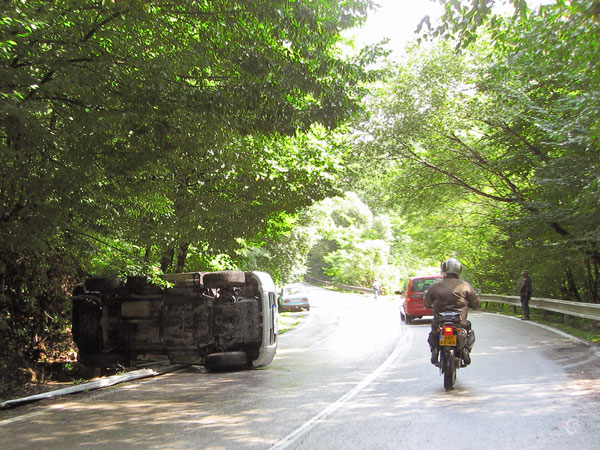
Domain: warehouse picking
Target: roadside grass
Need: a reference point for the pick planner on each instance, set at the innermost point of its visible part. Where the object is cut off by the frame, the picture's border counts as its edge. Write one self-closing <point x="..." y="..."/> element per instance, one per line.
<point x="288" y="321"/>
<point x="582" y="328"/>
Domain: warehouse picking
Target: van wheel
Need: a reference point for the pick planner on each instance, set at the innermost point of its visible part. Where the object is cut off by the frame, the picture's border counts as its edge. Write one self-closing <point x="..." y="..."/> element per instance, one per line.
<point x="409" y="319"/>
<point x="226" y="361"/>
<point x="102" y="284"/>
<point x="234" y="278"/>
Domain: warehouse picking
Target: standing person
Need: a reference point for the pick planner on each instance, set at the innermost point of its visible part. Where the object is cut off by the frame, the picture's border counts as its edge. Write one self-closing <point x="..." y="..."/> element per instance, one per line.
<point x="525" y="294"/>
<point x="376" y="287"/>
<point x="450" y="294"/>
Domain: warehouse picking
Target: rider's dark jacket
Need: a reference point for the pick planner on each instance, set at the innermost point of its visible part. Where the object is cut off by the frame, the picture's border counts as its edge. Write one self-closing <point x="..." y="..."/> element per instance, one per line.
<point x="451" y="294"/>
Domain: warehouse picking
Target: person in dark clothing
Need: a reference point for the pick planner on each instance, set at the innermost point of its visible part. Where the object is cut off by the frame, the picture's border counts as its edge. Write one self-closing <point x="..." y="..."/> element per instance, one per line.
<point x="525" y="294"/>
<point x="450" y="294"/>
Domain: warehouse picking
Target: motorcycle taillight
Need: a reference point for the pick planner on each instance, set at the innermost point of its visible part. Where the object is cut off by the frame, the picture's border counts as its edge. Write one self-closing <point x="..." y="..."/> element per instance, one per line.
<point x="448" y="331"/>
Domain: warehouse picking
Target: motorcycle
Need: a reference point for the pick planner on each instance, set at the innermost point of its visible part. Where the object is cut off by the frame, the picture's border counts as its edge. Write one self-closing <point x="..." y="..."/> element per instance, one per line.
<point x="452" y="341"/>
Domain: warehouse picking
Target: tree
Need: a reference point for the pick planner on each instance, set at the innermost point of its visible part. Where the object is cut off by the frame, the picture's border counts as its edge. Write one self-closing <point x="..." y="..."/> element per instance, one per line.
<point x="497" y="125"/>
<point x="283" y="253"/>
<point x="100" y="100"/>
<point x="133" y="131"/>
<point x="351" y="245"/>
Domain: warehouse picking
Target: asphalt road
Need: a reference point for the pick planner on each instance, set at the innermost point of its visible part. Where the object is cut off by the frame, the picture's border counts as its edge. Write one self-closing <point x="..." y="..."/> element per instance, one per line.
<point x="350" y="376"/>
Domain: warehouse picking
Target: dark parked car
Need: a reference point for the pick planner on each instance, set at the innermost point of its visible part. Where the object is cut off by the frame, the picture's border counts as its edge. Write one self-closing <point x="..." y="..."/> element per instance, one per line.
<point x="413" y="292"/>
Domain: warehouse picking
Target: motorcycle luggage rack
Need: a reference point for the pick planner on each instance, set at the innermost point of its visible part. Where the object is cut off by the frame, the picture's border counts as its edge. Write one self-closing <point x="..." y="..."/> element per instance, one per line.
<point x="449" y="316"/>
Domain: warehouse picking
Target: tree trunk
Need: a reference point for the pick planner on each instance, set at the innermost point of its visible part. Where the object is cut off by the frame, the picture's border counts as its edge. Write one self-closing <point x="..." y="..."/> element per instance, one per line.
<point x="572" y="286"/>
<point x="181" y="257"/>
<point x="167" y="259"/>
<point x="592" y="263"/>
<point x="147" y="254"/>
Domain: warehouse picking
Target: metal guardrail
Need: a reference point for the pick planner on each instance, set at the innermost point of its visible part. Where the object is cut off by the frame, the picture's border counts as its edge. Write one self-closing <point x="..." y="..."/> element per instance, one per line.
<point x="569" y="308"/>
<point x="578" y="309"/>
<point x="340" y="286"/>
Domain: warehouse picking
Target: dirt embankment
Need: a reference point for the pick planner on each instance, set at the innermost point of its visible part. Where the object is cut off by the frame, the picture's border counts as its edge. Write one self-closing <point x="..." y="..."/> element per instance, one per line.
<point x="45" y="376"/>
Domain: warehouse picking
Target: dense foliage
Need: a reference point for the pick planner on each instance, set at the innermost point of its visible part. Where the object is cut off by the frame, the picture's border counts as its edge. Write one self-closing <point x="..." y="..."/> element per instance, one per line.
<point x="135" y="134"/>
<point x="493" y="150"/>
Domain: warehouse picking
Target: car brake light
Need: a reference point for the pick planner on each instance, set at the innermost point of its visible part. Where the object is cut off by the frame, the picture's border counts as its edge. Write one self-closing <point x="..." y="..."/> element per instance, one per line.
<point x="304" y="300"/>
<point x="286" y="301"/>
<point x="448" y="331"/>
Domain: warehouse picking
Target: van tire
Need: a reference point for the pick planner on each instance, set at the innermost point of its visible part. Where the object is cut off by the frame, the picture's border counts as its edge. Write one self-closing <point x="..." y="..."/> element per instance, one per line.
<point x="234" y="278"/>
<point x="226" y="361"/>
<point x="102" y="284"/>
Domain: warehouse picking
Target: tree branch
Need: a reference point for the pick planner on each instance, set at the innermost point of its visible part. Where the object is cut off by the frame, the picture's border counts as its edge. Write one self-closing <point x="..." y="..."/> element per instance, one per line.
<point x="512" y="132"/>
<point x="484" y="163"/>
<point x="460" y="182"/>
<point x="101" y="24"/>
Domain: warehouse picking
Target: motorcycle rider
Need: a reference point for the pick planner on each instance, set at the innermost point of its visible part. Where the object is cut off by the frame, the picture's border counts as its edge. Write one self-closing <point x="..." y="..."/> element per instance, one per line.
<point x="451" y="294"/>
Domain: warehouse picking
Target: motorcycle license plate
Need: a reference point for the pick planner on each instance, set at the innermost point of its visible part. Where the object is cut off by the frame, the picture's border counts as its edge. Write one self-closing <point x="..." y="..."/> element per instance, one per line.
<point x="448" y="340"/>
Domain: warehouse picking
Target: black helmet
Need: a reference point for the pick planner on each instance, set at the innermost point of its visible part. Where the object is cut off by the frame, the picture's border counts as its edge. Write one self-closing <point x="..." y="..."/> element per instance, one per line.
<point x="452" y="268"/>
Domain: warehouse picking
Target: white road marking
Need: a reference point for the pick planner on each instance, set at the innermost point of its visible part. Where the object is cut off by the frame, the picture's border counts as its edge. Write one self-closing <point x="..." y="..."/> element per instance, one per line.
<point x="402" y="347"/>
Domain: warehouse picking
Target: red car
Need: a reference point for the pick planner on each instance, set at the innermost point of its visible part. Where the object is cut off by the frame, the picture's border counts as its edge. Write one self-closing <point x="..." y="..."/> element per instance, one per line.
<point x="413" y="292"/>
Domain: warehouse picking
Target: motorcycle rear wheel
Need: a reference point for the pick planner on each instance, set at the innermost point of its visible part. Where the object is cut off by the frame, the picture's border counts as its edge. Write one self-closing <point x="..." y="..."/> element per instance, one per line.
<point x="449" y="370"/>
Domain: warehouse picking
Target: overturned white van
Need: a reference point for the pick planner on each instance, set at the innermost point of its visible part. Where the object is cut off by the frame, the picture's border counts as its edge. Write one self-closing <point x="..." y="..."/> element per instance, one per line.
<point x="222" y="320"/>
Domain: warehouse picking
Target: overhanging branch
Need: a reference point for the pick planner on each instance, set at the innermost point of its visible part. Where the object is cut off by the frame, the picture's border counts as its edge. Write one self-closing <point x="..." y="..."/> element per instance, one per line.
<point x="457" y="180"/>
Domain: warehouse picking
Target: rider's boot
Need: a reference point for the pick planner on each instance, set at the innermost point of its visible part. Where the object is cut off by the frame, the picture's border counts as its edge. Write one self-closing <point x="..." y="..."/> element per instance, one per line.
<point x="435" y="353"/>
<point x="466" y="356"/>
<point x="466" y="351"/>
<point x="433" y="339"/>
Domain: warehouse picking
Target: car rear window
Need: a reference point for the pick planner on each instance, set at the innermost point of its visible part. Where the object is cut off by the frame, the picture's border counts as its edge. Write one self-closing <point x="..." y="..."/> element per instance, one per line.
<point x="292" y="291"/>
<point x="422" y="284"/>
